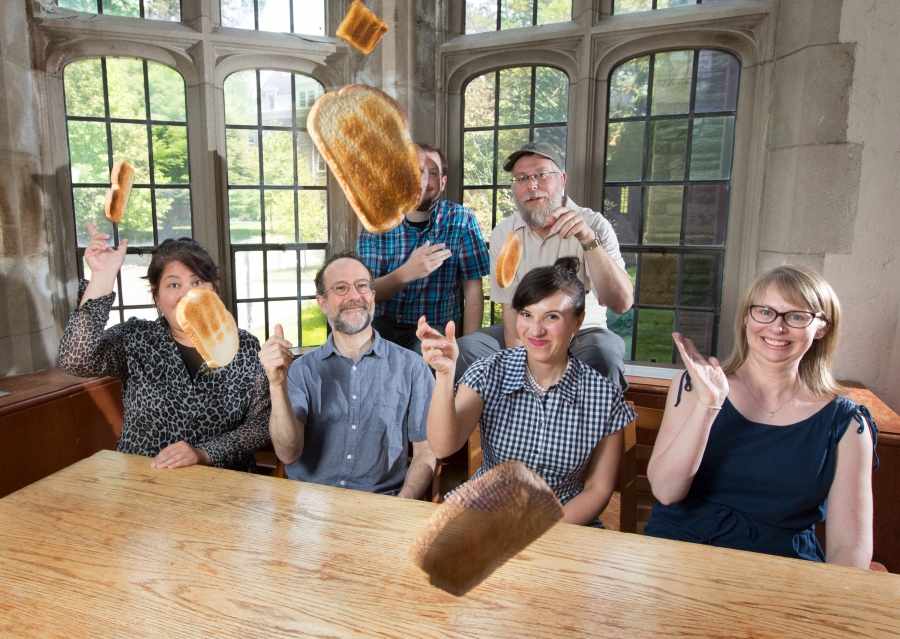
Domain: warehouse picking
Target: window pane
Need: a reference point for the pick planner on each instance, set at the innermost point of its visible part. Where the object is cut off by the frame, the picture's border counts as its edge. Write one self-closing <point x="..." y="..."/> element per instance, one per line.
<point x="309" y="263"/>
<point x="240" y="97"/>
<point x="237" y="14"/>
<point x="668" y="145"/>
<point x="667" y="4"/>
<point x="662" y="224"/>
<point x="137" y="222"/>
<point x="274" y="15"/>
<point x="516" y="13"/>
<point x="632" y="6"/>
<point x="698" y="327"/>
<point x="166" y="93"/>
<point x="280" y="225"/>
<point x="127" y="8"/>
<point x="551" y="95"/>
<point x="699" y="280"/>
<point x="88" y="153"/>
<point x="654" y="335"/>
<point x="125" y="79"/>
<point x="480" y="101"/>
<point x="711" y="147"/>
<point x="163" y="10"/>
<point x="309" y="17"/>
<point x="508" y="141"/>
<point x="84" y="87"/>
<point x="129" y="142"/>
<point x="672" y="82"/>
<point x="481" y="203"/>
<point x="278" y="157"/>
<point x="707" y="212"/>
<point x="515" y="95"/>
<point x="252" y="317"/>
<point x="275" y="89"/>
<point x="659" y="277"/>
<point x="135" y="290"/>
<point x="313" y="208"/>
<point x="555" y="135"/>
<point x="170" y="155"/>
<point x="89" y="208"/>
<point x="550" y="11"/>
<point x="718" y="74"/>
<point x="244" y="216"/>
<point x="311" y="167"/>
<point x="622" y="207"/>
<point x="481" y="16"/>
<point x="622" y="325"/>
<point x="628" y="89"/>
<point x="505" y="205"/>
<point x="624" y="151"/>
<point x="149" y="314"/>
<point x="478" y="156"/>
<point x="173" y="213"/>
<point x="314" y="332"/>
<point x="79" y="5"/>
<point x="285" y="313"/>
<point x="248" y="275"/>
<point x="243" y="156"/>
<point x="307" y="91"/>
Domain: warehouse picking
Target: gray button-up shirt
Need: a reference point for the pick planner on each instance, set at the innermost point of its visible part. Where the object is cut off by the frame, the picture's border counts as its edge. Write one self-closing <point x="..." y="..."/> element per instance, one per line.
<point x="360" y="416"/>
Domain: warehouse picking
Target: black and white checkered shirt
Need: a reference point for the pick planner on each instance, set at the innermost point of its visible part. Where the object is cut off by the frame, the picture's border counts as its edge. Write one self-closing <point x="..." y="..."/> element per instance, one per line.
<point x="553" y="435"/>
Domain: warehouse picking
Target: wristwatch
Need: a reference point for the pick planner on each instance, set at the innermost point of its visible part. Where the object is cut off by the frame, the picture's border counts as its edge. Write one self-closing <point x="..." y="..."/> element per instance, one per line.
<point x="590" y="246"/>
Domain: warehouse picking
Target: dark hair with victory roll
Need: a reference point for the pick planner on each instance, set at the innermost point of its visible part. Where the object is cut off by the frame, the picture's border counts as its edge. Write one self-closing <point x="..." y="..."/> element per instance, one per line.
<point x="544" y="281"/>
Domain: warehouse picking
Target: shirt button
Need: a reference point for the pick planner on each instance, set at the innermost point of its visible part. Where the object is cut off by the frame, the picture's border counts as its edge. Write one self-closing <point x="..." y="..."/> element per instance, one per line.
<point x="354" y="368"/>
<point x="353" y="426"/>
<point x="354" y="397"/>
<point x="343" y="483"/>
<point x="349" y="456"/>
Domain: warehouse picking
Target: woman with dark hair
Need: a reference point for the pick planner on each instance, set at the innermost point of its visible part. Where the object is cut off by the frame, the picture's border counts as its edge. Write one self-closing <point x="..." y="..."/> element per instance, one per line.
<point x="750" y="451"/>
<point x="536" y="404"/>
<point x="178" y="410"/>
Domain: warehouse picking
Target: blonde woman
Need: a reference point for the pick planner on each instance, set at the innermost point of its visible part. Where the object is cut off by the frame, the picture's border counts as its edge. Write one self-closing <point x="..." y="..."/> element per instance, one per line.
<point x="749" y="452"/>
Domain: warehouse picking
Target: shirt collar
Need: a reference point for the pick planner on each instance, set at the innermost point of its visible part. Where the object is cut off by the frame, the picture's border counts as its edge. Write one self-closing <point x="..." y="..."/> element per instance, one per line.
<point x="515" y="377"/>
<point x="378" y="348"/>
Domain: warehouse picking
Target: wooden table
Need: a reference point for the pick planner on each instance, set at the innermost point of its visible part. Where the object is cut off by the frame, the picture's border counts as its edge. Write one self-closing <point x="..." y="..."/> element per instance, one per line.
<point x="110" y="547"/>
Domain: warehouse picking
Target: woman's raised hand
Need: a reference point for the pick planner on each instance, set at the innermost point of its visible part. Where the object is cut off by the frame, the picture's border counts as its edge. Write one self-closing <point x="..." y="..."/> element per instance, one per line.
<point x="101" y="258"/>
<point x="707" y="376"/>
<point x="438" y="351"/>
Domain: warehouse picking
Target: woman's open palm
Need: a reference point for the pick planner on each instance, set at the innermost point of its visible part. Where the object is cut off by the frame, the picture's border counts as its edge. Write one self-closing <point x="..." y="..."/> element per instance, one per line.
<point x="100" y="256"/>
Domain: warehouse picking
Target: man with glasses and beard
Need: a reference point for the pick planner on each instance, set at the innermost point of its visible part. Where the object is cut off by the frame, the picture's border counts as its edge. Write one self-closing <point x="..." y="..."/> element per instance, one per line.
<point x="343" y="415"/>
<point x="421" y="265"/>
<point x="551" y="226"/>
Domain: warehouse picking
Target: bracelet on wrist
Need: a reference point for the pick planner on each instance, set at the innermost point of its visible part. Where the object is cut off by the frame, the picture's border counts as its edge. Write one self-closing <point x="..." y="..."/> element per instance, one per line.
<point x="699" y="403"/>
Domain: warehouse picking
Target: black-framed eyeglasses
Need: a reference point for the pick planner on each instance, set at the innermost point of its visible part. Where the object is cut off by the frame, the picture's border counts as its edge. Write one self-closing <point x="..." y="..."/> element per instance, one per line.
<point x="342" y="288"/>
<point x="794" y="319"/>
<point x="539" y="177"/>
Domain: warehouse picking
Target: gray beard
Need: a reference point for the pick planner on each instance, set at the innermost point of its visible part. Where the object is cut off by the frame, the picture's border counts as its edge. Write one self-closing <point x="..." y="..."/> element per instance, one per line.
<point x="537" y="215"/>
<point x="348" y="326"/>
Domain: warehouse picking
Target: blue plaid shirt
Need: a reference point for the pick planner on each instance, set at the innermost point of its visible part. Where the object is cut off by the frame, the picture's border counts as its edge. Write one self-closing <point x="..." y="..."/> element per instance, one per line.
<point x="436" y="296"/>
<point x="553" y="435"/>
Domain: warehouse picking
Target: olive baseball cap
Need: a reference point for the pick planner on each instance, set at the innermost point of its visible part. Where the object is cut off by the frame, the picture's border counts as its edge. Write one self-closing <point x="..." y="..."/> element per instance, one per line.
<point x="534" y="148"/>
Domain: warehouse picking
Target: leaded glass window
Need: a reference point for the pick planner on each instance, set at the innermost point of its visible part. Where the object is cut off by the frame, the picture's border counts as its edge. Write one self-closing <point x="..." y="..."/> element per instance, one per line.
<point x="669" y="147"/>
<point x="286" y="16"/>
<point x="634" y="6"/>
<point x="132" y="110"/>
<point x="497" y="15"/>
<point x="502" y="111"/>
<point x="151" y="9"/>
<point x="277" y="203"/>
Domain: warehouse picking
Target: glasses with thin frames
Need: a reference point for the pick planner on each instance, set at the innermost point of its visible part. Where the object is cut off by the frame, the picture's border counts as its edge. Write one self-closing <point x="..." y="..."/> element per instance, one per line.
<point x="539" y="177"/>
<point x="342" y="288"/>
<point x="794" y="319"/>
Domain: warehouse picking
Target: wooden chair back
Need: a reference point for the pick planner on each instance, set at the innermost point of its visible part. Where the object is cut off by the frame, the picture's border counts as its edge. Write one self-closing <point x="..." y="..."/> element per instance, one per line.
<point x="647" y="427"/>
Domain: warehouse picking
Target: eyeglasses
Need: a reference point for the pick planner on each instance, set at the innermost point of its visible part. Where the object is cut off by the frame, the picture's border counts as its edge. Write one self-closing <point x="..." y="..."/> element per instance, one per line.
<point x="540" y="176"/>
<point x="342" y="288"/>
<point x="794" y="319"/>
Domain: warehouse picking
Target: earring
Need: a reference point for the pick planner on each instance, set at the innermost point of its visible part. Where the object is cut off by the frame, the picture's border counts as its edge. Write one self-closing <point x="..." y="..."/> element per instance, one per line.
<point x="577" y="343"/>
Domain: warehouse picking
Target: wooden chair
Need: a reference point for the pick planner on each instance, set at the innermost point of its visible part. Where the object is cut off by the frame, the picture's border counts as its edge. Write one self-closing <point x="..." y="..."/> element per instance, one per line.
<point x="620" y="513"/>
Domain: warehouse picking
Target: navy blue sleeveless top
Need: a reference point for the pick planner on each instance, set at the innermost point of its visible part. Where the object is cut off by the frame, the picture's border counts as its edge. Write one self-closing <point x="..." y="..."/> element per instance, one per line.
<point x="762" y="488"/>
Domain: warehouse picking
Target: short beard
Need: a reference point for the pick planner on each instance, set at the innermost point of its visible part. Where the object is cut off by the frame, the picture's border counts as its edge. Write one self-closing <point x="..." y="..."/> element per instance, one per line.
<point x="536" y="216"/>
<point x="347" y="326"/>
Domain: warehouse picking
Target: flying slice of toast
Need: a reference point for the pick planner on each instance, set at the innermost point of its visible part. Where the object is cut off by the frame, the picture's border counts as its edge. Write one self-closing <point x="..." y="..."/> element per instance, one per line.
<point x="209" y="325"/>
<point x="121" y="178"/>
<point x="361" y="28"/>
<point x="363" y="134"/>
<point x="508" y="262"/>
<point x="484" y="523"/>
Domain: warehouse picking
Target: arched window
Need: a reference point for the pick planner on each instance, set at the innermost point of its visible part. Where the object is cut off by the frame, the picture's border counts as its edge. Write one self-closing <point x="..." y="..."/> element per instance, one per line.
<point x="285" y="16"/>
<point x="633" y="6"/>
<point x="133" y="110"/>
<point x="277" y="203"/>
<point x="502" y="111"/>
<point x="670" y="136"/>
<point x="496" y="15"/>
<point x="151" y="9"/>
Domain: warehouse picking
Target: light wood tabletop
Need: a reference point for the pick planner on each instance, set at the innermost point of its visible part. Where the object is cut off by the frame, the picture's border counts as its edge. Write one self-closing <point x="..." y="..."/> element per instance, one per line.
<point x="111" y="547"/>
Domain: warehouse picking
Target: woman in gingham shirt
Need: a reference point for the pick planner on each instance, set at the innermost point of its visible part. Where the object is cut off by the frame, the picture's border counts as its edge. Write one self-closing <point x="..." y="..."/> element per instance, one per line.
<point x="535" y="403"/>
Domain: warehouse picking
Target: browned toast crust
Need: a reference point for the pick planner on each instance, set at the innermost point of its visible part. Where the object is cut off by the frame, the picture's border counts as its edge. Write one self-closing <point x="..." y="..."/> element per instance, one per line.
<point x="210" y="327"/>
<point x="121" y="178"/>
<point x="361" y="28"/>
<point x="508" y="261"/>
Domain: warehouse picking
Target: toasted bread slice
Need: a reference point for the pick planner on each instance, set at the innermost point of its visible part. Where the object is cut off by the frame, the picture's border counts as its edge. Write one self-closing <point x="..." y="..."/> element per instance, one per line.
<point x="363" y="134"/>
<point x="209" y="325"/>
<point x="361" y="28"/>
<point x="483" y="524"/>
<point x="508" y="262"/>
<point x="121" y="178"/>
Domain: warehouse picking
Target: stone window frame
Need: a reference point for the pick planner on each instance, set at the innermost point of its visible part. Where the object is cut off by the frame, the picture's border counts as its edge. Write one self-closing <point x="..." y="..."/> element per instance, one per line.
<point x="587" y="49"/>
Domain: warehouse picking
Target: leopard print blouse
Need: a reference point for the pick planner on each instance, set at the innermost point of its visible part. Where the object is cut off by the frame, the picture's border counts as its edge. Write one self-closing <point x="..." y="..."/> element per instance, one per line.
<point x="224" y="411"/>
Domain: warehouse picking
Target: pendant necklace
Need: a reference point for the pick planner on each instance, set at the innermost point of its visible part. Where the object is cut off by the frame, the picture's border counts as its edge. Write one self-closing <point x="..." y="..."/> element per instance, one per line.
<point x="771" y="413"/>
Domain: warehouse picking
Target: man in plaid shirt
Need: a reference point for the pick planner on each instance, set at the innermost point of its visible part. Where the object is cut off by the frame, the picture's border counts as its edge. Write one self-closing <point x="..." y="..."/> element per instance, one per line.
<point x="421" y="265"/>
